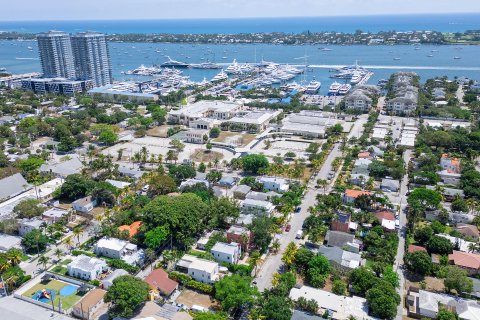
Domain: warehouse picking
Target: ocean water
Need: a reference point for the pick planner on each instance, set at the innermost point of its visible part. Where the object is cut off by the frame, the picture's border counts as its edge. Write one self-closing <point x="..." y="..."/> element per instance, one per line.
<point x="437" y="22"/>
<point x="22" y="57"/>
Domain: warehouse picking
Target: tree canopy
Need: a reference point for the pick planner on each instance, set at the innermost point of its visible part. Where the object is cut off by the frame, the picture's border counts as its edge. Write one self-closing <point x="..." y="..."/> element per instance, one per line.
<point x="235" y="291"/>
<point x="254" y="163"/>
<point x="126" y="294"/>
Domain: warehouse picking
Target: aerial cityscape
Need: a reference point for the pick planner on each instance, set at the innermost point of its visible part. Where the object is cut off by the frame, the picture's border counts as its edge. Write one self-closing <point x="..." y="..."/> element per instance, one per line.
<point x="227" y="160"/>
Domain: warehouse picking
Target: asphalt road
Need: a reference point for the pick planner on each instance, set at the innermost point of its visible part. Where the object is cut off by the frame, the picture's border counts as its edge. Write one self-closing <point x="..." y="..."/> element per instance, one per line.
<point x="273" y="263"/>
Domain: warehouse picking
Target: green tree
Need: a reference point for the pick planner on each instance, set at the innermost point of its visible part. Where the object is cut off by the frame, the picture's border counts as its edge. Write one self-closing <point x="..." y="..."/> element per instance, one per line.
<point x="28" y="208"/>
<point x="108" y="137"/>
<point x="126" y="294"/>
<point x="183" y="215"/>
<point x="161" y="185"/>
<point x="427" y="198"/>
<point x="214" y="133"/>
<point x="362" y="280"/>
<point x="289" y="254"/>
<point x="302" y="258"/>
<point x="439" y="245"/>
<point x="383" y="300"/>
<point x="254" y="163"/>
<point x="76" y="186"/>
<point x="155" y="237"/>
<point x="223" y="210"/>
<point x="445" y="314"/>
<point x="339" y="287"/>
<point x="35" y="241"/>
<point x="210" y="316"/>
<point x="261" y="227"/>
<point x="419" y="262"/>
<point x="214" y="176"/>
<point x="458" y="280"/>
<point x="274" y="306"/>
<point x="423" y="234"/>
<point x="318" y="269"/>
<point x="460" y="205"/>
<point x="234" y="292"/>
<point x="43" y="260"/>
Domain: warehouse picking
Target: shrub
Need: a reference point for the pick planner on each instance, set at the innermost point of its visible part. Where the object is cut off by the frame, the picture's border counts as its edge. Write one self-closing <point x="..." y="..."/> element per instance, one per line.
<point x="120" y="264"/>
<point x="79" y="252"/>
<point x="202" y="287"/>
<point x="180" y="277"/>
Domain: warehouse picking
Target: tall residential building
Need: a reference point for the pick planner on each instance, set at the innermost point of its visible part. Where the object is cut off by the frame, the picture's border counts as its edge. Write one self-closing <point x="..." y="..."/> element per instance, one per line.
<point x="56" y="55"/>
<point x="92" y="58"/>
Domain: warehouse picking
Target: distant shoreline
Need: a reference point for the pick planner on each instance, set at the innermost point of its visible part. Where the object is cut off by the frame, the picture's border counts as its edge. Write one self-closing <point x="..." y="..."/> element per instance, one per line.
<point x="281" y="38"/>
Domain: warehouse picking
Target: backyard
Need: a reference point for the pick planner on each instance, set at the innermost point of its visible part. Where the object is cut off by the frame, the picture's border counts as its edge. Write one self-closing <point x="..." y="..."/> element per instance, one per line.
<point x="56" y="290"/>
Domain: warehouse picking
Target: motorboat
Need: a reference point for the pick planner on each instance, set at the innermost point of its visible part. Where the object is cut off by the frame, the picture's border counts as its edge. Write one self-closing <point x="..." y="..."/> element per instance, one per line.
<point x="334" y="87"/>
<point x="173" y="63"/>
<point x="344" y="89"/>
<point x="222" y="76"/>
<point x="313" y="87"/>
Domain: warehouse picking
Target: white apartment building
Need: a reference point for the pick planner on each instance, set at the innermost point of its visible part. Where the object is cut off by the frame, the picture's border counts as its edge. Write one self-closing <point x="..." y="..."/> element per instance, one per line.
<point x="226" y="252"/>
<point x="274" y="184"/>
<point x="119" y="249"/>
<point x="220" y="110"/>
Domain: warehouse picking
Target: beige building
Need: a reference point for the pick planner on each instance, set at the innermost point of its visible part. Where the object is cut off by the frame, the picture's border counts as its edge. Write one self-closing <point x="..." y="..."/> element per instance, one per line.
<point x="220" y="110"/>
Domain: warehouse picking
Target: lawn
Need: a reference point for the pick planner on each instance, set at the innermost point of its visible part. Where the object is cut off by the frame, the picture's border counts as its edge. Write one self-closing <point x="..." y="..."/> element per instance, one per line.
<point x="67" y="301"/>
<point x="65" y="262"/>
<point x="60" y="270"/>
<point x="205" y="156"/>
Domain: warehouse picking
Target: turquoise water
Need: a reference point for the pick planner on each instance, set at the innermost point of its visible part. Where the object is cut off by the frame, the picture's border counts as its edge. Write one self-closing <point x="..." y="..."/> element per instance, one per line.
<point x="40" y="297"/>
<point x="437" y="22"/>
<point x="17" y="58"/>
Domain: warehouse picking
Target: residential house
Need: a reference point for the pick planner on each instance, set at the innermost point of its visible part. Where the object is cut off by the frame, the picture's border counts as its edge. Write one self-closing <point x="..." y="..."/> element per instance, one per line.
<point x="240" y="192"/>
<point x="199" y="269"/>
<point x="263" y="196"/>
<point x="119" y="249"/>
<point x="86" y="268"/>
<point x="62" y="169"/>
<point x="390" y="185"/>
<point x="448" y="163"/>
<point x="426" y="304"/>
<point x="414" y="248"/>
<point x="12" y="186"/>
<point x="240" y="235"/>
<point x="192" y="182"/>
<point x="274" y="184"/>
<point x="56" y="214"/>
<point x="303" y="315"/>
<point x="257" y="207"/>
<point x="342" y="240"/>
<point x="8" y="242"/>
<point x="338" y="306"/>
<point x="449" y="177"/>
<point x="226" y="252"/>
<point x="341" y="259"/>
<point x="343" y="223"/>
<point x="350" y="195"/>
<point x="468" y="230"/>
<point x="132" y="229"/>
<point x="84" y="205"/>
<point x="131" y="172"/>
<point x="159" y="281"/>
<point x="457" y="242"/>
<point x="227" y="181"/>
<point x="466" y="260"/>
<point x="28" y="225"/>
<point x="107" y="282"/>
<point x="89" y="304"/>
<point x="118" y="184"/>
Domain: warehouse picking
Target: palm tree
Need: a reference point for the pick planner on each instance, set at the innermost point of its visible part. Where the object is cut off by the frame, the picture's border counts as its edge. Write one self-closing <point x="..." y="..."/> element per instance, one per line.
<point x="4" y="264"/>
<point x="69" y="242"/>
<point x="254" y="259"/>
<point x="14" y="256"/>
<point x="77" y="232"/>
<point x="59" y="253"/>
<point x="43" y="260"/>
<point x="150" y="255"/>
<point x="276" y="246"/>
<point x="323" y="184"/>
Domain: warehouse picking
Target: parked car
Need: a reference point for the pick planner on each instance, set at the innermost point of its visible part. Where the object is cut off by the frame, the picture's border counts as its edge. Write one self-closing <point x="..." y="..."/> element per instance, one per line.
<point x="299" y="234"/>
<point x="298" y="209"/>
<point x="288" y="227"/>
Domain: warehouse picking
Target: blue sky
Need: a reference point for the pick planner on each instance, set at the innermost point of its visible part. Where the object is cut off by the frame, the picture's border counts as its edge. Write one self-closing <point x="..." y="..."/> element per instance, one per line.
<point x="171" y="9"/>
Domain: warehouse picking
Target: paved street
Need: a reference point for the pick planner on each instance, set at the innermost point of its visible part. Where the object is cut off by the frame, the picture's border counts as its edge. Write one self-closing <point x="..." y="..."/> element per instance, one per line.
<point x="274" y="262"/>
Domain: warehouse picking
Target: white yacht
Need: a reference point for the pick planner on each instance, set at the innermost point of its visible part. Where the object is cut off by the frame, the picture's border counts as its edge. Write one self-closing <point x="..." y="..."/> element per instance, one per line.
<point x="222" y="76"/>
<point x="313" y="87"/>
<point x="356" y="78"/>
<point x="344" y="89"/>
<point x="334" y="87"/>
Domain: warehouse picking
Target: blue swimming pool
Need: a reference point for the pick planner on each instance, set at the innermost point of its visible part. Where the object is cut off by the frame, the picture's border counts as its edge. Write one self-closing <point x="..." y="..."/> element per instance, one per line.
<point x="68" y="290"/>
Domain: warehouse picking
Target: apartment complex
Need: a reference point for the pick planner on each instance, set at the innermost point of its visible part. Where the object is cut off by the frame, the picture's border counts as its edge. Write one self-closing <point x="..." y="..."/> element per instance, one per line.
<point x="83" y="56"/>
<point x="405" y="94"/>
<point x="56" y="55"/>
<point x="92" y="58"/>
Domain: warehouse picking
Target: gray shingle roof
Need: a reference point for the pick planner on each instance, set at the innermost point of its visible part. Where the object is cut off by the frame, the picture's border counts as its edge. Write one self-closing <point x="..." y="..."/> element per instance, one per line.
<point x="12" y="186"/>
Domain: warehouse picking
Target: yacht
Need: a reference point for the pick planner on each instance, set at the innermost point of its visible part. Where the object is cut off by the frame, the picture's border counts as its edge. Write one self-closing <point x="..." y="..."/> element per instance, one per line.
<point x="457" y="58"/>
<point x="206" y="65"/>
<point x="325" y="49"/>
<point x="313" y="87"/>
<point x="396" y="59"/>
<point x="222" y="76"/>
<point x="430" y="56"/>
<point x="356" y="78"/>
<point x="334" y="87"/>
<point x="344" y="89"/>
<point x="173" y="63"/>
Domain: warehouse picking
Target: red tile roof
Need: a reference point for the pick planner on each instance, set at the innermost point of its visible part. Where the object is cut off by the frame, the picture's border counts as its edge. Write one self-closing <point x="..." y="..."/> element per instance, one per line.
<point x="465" y="259"/>
<point x="385" y="214"/>
<point x="158" y="279"/>
<point x="356" y="193"/>
<point x="132" y="229"/>
<point x="413" y="248"/>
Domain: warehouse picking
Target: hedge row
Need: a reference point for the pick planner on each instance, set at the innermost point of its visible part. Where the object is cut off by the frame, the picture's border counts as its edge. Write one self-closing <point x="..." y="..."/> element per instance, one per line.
<point x="188" y="282"/>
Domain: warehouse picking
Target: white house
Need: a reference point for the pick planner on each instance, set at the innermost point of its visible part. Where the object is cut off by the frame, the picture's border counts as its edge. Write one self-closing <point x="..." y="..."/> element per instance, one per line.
<point x="86" y="268"/>
<point x="226" y="252"/>
<point x="55" y="214"/>
<point x="8" y="242"/>
<point x="257" y="206"/>
<point x="84" y="205"/>
<point x="119" y="249"/>
<point x="196" y="136"/>
<point x="108" y="281"/>
<point x="274" y="184"/>
<point x="450" y="177"/>
<point x="28" y="225"/>
<point x="199" y="269"/>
